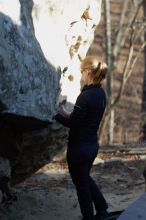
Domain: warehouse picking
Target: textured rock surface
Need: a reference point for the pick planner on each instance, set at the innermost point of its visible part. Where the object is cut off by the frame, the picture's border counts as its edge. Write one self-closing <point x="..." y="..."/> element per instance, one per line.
<point x="39" y="39"/>
<point x="41" y="42"/>
<point x="5" y="168"/>
<point x="29" y="84"/>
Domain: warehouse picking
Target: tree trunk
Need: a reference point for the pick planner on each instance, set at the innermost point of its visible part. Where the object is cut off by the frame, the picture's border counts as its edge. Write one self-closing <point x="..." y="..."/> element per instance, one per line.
<point x="144" y="89"/>
<point x="110" y="75"/>
<point x="144" y="81"/>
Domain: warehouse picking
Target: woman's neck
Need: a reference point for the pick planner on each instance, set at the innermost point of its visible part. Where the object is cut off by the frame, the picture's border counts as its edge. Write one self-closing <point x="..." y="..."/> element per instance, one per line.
<point x="89" y="82"/>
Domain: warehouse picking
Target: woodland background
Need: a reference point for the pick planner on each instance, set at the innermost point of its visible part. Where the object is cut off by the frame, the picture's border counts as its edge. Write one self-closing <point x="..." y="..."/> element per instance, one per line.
<point x="120" y="40"/>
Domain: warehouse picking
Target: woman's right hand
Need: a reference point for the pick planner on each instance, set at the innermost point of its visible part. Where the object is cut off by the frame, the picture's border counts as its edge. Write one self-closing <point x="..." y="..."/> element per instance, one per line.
<point x="63" y="111"/>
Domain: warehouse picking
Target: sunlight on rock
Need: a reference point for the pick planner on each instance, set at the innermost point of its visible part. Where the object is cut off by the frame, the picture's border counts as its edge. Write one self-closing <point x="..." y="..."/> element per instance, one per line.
<point x="67" y="34"/>
<point x="44" y="38"/>
<point x="11" y="8"/>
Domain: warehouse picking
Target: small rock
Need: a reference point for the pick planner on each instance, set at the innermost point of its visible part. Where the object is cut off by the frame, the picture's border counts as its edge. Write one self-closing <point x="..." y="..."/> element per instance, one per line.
<point x="98" y="161"/>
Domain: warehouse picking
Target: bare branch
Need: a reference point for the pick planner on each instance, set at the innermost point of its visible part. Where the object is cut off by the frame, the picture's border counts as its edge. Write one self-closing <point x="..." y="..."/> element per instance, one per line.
<point x="140" y="32"/>
<point x="131" y="23"/>
<point x="124" y="80"/>
<point x="129" y="65"/>
<point x="135" y="60"/>
<point x="128" y="62"/>
<point x="130" y="54"/>
<point x="117" y="45"/>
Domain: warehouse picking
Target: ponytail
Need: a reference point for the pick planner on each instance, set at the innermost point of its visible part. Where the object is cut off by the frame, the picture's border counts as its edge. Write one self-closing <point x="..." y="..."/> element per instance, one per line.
<point x="99" y="73"/>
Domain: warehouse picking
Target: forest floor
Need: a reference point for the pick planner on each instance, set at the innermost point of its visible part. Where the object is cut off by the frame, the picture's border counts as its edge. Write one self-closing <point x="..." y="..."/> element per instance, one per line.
<point x="50" y="195"/>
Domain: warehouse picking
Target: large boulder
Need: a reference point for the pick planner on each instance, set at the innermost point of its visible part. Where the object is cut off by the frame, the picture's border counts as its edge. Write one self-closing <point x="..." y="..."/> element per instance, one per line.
<point x="41" y="46"/>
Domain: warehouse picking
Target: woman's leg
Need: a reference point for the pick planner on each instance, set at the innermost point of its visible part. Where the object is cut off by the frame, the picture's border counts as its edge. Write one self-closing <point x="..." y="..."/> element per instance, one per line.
<point x="97" y="197"/>
<point x="79" y="171"/>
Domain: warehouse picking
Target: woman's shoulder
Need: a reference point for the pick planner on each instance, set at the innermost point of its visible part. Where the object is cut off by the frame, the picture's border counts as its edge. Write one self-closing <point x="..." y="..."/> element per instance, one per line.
<point x="91" y="92"/>
<point x="93" y="89"/>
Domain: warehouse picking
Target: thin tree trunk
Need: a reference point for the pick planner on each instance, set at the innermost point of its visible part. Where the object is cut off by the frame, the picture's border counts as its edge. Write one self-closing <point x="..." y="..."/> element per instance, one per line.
<point x="117" y="45"/>
<point x="144" y="82"/>
<point x="143" y="118"/>
<point x="109" y="62"/>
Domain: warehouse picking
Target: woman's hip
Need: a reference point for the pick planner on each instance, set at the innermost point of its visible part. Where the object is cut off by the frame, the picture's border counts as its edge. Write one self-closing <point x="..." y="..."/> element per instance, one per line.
<point x="82" y="152"/>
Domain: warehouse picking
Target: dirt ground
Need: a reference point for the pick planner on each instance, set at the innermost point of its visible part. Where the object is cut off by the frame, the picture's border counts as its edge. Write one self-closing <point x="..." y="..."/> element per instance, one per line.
<point x="50" y="195"/>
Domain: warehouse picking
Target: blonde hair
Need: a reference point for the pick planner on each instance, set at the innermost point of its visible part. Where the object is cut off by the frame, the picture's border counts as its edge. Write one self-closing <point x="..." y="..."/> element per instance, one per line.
<point x="97" y="69"/>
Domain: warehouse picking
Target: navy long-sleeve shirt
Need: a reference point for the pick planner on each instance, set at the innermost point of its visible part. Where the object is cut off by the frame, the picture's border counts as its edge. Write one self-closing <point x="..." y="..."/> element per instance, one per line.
<point x="86" y="116"/>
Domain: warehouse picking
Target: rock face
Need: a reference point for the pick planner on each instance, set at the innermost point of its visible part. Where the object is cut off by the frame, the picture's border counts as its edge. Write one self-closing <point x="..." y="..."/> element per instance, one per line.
<point x="39" y="40"/>
<point x="29" y="84"/>
<point x="41" y="45"/>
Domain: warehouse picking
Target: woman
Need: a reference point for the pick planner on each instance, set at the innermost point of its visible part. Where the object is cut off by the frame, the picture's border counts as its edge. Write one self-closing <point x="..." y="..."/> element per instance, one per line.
<point x="83" y="146"/>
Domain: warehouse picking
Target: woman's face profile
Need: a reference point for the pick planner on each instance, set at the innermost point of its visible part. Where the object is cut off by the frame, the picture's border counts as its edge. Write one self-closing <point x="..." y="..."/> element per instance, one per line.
<point x="85" y="76"/>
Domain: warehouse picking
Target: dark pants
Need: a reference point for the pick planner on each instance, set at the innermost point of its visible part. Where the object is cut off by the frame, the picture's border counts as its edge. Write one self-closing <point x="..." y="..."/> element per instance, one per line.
<point x="80" y="159"/>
